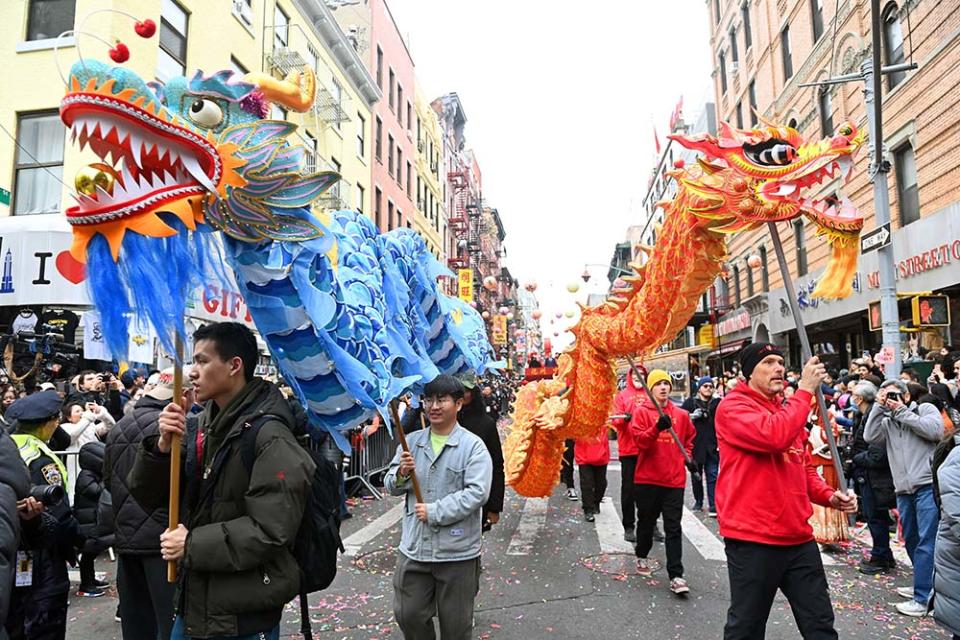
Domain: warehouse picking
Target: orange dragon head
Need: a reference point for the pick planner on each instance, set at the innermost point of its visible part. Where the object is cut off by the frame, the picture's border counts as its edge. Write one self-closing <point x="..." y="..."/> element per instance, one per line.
<point x="750" y="177"/>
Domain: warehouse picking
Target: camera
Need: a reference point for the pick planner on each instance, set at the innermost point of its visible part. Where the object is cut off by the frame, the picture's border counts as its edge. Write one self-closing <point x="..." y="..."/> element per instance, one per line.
<point x="48" y="494"/>
<point x="894" y="395"/>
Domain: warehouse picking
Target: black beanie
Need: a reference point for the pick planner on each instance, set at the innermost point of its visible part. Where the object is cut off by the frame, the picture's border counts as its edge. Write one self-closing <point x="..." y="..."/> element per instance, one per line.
<point x="753" y="353"/>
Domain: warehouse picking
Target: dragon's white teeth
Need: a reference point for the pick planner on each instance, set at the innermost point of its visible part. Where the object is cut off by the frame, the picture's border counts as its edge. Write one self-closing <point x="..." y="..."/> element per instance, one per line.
<point x="136" y="148"/>
<point x="191" y="165"/>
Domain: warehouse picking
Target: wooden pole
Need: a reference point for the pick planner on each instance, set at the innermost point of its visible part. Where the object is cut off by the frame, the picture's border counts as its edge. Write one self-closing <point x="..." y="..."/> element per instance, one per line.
<point x="395" y="416"/>
<point x="173" y="520"/>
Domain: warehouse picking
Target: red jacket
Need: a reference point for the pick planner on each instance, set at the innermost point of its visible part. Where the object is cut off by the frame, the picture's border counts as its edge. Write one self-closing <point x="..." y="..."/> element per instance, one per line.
<point x="595" y="451"/>
<point x="660" y="461"/>
<point x="626" y="401"/>
<point x="766" y="484"/>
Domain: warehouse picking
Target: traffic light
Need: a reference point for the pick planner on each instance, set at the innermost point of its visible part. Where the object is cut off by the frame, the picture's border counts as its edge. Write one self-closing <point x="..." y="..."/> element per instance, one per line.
<point x="873" y="316"/>
<point x="931" y="311"/>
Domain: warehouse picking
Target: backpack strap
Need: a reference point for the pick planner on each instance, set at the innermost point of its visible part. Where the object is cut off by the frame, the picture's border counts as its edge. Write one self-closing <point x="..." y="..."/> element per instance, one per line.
<point x="248" y="439"/>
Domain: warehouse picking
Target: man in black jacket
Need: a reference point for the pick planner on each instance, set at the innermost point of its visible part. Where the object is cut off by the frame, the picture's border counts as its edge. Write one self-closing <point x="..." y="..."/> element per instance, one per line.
<point x="702" y="408"/>
<point x="234" y="545"/>
<point x="146" y="598"/>
<point x="474" y="418"/>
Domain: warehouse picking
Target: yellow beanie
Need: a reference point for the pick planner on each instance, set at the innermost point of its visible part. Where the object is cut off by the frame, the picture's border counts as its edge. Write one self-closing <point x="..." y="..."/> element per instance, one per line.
<point x="658" y="375"/>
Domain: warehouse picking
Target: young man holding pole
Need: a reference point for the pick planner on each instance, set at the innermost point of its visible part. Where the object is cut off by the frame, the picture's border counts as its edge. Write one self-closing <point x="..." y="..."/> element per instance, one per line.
<point x="764" y="492"/>
<point x="661" y="475"/>
<point x="233" y="546"/>
<point x="444" y="474"/>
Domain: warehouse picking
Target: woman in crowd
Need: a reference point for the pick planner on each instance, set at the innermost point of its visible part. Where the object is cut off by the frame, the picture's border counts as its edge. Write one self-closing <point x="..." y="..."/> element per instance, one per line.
<point x="86" y="424"/>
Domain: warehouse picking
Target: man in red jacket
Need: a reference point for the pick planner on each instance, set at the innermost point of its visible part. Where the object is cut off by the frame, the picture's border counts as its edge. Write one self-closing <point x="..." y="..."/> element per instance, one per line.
<point x="660" y="476"/>
<point x="624" y="405"/>
<point x="764" y="492"/>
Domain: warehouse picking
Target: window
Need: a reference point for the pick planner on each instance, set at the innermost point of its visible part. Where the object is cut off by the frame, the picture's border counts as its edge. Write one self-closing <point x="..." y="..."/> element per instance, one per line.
<point x="336" y="92"/>
<point x="390" y="149"/>
<point x="40" y="140"/>
<point x="816" y="12"/>
<point x="745" y="16"/>
<point x="734" y="54"/>
<point x="893" y="44"/>
<point x="337" y="189"/>
<point x="749" y="280"/>
<point x="313" y="58"/>
<point x="826" y="112"/>
<point x="400" y="167"/>
<point x="237" y="67"/>
<point x="716" y="10"/>
<point x="389" y="215"/>
<point x="393" y="78"/>
<point x="419" y="193"/>
<point x="361" y="135"/>
<point x="409" y="115"/>
<point x="310" y="144"/>
<point x="723" y="72"/>
<point x="380" y="67"/>
<point x="378" y="208"/>
<point x="908" y="200"/>
<point x="409" y="182"/>
<point x="400" y="105"/>
<point x="360" y="195"/>
<point x="752" y="97"/>
<point x="243" y="11"/>
<point x="281" y="28"/>
<point x="800" y="242"/>
<point x="172" y="56"/>
<point x="378" y="140"/>
<point x="785" y="52"/>
<point x="49" y="18"/>
<point x="736" y="286"/>
<point x="764" y="270"/>
<point x="739" y="115"/>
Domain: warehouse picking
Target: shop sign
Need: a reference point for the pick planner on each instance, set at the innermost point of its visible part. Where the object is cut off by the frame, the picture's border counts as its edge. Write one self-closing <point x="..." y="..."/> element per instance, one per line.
<point x="465" y="285"/>
<point x="805" y="299"/>
<point x="736" y="322"/>
<point x="220" y="304"/>
<point x="36" y="264"/>
<point x="920" y="263"/>
<point x="499" y="330"/>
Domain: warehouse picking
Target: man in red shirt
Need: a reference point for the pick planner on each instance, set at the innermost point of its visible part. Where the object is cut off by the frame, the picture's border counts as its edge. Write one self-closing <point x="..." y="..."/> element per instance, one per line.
<point x="764" y="492"/>
<point x="660" y="476"/>
<point x="624" y="405"/>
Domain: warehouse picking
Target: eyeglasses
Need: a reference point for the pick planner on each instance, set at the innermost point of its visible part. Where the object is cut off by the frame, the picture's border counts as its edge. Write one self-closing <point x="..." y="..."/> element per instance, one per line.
<point x="429" y="402"/>
<point x="706" y="385"/>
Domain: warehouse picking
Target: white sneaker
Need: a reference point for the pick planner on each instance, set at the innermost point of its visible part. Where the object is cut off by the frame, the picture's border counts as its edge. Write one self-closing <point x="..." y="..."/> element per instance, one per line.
<point x="679" y="586"/>
<point x="912" y="608"/>
<point x="643" y="568"/>
<point x="572" y="494"/>
<point x="905" y="592"/>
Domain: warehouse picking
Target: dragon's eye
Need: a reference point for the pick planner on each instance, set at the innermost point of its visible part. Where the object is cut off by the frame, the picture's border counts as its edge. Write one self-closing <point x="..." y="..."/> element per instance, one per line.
<point x="845" y="130"/>
<point x="771" y="153"/>
<point x="206" y="113"/>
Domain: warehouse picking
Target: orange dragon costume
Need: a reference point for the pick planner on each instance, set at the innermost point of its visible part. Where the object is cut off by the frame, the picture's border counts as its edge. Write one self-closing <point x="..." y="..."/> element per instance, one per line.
<point x="745" y="179"/>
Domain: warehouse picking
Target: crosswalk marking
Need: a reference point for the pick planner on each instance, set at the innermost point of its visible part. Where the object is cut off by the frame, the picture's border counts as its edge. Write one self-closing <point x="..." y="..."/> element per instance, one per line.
<point x="610" y="529"/>
<point x="701" y="537"/>
<point x="532" y="519"/>
<point x="355" y="542"/>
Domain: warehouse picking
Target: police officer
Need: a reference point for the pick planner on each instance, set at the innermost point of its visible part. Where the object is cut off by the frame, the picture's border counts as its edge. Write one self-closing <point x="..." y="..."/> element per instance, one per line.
<point x="38" y="608"/>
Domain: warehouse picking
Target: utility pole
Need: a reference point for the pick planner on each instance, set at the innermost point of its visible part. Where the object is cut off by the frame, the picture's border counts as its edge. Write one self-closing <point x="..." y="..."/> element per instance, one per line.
<point x="879" y="168"/>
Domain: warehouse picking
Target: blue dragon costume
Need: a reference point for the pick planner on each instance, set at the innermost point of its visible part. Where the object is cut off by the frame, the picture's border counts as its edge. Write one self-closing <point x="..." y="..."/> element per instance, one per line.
<point x="353" y="317"/>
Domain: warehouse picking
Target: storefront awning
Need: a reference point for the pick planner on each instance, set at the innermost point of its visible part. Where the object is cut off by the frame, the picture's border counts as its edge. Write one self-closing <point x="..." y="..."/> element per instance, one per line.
<point x="728" y="348"/>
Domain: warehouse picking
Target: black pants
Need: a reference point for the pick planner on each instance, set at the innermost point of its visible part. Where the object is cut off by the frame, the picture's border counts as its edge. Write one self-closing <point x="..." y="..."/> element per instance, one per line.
<point x="566" y="470"/>
<point x="652" y="501"/>
<point x="628" y="465"/>
<point x="146" y="598"/>
<point x="88" y="576"/>
<point x="593" y="484"/>
<point x="35" y="619"/>
<point x="756" y="572"/>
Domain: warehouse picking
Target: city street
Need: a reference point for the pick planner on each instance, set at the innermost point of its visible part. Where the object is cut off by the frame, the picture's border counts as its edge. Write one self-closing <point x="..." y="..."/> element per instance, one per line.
<point x="549" y="574"/>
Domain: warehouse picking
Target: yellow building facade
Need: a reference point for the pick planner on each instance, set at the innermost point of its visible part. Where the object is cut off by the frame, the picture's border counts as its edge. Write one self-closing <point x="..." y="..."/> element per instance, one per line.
<point x="272" y="36"/>
<point x="429" y="218"/>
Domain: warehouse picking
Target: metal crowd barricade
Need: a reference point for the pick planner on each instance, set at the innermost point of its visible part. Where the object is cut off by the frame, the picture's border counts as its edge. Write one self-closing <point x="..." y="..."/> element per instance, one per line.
<point x="71" y="460"/>
<point x="371" y="456"/>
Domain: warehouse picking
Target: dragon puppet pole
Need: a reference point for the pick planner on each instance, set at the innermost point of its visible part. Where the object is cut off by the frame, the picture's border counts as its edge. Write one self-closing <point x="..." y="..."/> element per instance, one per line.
<point x="173" y="518"/>
<point x="403" y="444"/>
<point x="643" y="384"/>
<point x="806" y="351"/>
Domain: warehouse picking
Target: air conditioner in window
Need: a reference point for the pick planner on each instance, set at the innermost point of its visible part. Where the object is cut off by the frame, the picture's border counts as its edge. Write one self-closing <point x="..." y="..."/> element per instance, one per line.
<point x="242" y="10"/>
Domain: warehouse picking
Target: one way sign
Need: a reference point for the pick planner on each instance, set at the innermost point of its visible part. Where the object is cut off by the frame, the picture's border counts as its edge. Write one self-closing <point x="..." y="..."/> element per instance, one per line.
<point x="876" y="239"/>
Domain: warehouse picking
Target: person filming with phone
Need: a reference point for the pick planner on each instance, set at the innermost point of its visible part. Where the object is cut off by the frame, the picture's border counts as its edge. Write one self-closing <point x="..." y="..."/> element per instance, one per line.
<point x="911" y="433"/>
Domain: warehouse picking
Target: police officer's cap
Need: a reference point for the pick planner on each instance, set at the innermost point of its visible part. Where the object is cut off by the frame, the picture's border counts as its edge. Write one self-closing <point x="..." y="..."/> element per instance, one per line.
<point x="38" y="407"/>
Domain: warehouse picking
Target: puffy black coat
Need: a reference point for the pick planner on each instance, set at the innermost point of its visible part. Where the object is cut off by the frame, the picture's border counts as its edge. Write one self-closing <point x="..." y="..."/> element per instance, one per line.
<point x="872" y="458"/>
<point x="91" y="499"/>
<point x="475" y="419"/>
<point x="137" y="529"/>
<point x="14" y="485"/>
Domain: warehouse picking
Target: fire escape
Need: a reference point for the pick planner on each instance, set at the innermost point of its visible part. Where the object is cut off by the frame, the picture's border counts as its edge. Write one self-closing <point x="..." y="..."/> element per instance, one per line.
<point x="457" y="220"/>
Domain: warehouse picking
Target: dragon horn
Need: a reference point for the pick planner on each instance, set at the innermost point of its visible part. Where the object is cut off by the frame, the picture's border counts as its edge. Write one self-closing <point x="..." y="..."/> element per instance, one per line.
<point x="297" y="91"/>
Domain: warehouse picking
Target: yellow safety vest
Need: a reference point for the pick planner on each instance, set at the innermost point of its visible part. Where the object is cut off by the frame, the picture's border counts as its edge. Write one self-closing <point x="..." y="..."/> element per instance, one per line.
<point x="32" y="447"/>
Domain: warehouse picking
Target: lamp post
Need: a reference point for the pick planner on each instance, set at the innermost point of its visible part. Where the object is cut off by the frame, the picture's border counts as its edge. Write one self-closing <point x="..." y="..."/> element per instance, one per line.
<point x="586" y="275"/>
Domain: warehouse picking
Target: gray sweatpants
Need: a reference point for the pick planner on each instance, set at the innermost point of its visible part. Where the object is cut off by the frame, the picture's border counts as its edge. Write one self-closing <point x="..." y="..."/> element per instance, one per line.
<point x="445" y="588"/>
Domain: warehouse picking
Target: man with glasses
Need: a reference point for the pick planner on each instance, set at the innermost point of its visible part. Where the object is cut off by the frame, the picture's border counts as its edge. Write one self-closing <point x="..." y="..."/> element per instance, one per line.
<point x="438" y="569"/>
<point x="702" y="409"/>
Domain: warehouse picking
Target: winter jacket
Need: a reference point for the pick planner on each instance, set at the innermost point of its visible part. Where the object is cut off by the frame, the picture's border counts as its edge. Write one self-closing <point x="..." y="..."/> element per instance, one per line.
<point x="90" y="428"/>
<point x="660" y="461"/>
<point x="705" y="444"/>
<point x="137" y="529"/>
<point x="766" y="482"/>
<point x="946" y="555"/>
<point x="455" y="485"/>
<point x="872" y="460"/>
<point x="626" y="401"/>
<point x="910" y="434"/>
<point x="90" y="496"/>
<point x="593" y="450"/>
<point x="14" y="485"/>
<point x="238" y="570"/>
<point x="475" y="419"/>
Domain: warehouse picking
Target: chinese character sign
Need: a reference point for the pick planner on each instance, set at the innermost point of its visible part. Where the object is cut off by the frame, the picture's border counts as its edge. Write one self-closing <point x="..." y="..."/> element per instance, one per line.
<point x="465" y="285"/>
<point x="499" y="330"/>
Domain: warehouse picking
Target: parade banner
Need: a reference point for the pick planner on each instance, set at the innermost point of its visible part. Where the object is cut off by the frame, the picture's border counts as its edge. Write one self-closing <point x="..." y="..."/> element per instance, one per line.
<point x="499" y="332"/>
<point x="465" y="284"/>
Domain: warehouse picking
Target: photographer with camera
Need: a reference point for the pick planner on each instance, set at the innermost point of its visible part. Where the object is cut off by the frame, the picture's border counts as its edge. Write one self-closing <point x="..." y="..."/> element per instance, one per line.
<point x="38" y="607"/>
<point x="911" y="433"/>
<point x="702" y="408"/>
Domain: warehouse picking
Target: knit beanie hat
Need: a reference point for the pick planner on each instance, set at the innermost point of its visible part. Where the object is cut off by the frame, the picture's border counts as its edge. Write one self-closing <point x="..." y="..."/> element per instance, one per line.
<point x="753" y="353"/>
<point x="704" y="380"/>
<point x="658" y="375"/>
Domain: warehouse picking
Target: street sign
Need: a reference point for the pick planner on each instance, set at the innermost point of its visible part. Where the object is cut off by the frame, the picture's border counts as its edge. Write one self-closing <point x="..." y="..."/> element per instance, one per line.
<point x="876" y="239"/>
<point x="4" y="196"/>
